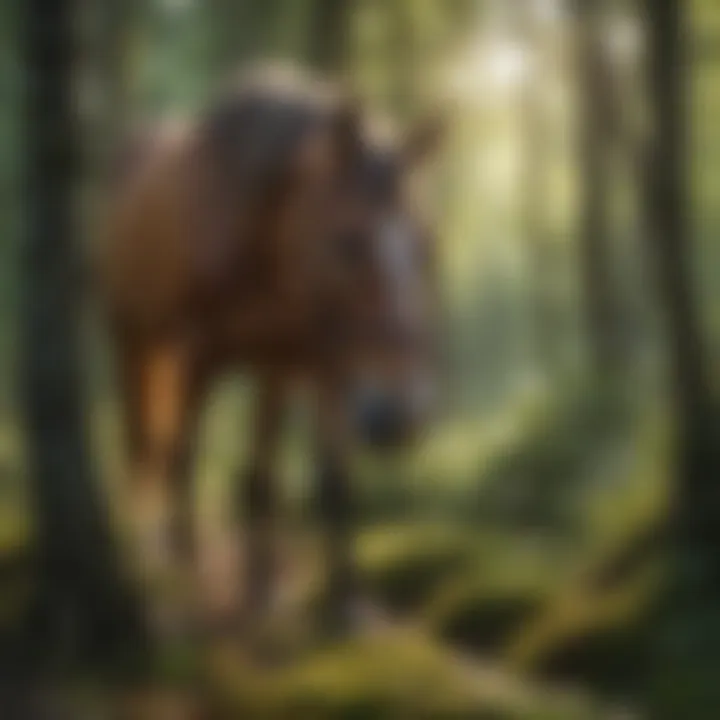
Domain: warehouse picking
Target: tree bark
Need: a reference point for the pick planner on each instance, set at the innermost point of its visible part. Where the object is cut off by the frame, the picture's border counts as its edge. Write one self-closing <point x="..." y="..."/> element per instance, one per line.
<point x="596" y="100"/>
<point x="81" y="605"/>
<point x="115" y="20"/>
<point x="668" y="235"/>
<point x="241" y="31"/>
<point x="403" y="56"/>
<point x="535" y="136"/>
<point x="329" y="49"/>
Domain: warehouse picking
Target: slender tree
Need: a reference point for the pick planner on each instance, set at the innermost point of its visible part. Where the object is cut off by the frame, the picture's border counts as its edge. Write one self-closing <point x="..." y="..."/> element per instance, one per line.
<point x="534" y="133"/>
<point x="596" y="101"/>
<point x="81" y="604"/>
<point x="691" y="604"/>
<point x="329" y="36"/>
<point x="403" y="56"/>
<point x="115" y="23"/>
<point x="668" y="235"/>
<point x="241" y="31"/>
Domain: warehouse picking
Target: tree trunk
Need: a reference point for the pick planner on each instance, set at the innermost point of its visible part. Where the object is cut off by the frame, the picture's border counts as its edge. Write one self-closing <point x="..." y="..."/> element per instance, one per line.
<point x="403" y="56"/>
<point x="534" y="136"/>
<point x="242" y="31"/>
<point x="668" y="236"/>
<point x="109" y="56"/>
<point x="596" y="120"/>
<point x="330" y="36"/>
<point x="81" y="605"/>
<point x="686" y="640"/>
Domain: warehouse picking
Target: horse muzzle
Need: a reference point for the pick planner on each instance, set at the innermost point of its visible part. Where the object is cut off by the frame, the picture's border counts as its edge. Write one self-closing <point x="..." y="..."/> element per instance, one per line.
<point x="390" y="419"/>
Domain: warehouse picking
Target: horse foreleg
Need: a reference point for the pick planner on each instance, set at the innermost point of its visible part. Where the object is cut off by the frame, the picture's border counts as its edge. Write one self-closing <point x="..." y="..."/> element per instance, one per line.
<point x="258" y="498"/>
<point x="337" y="510"/>
<point x="161" y="406"/>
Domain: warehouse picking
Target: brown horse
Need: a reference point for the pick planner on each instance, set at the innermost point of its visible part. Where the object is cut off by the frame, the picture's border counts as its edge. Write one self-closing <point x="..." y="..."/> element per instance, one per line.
<point x="272" y="235"/>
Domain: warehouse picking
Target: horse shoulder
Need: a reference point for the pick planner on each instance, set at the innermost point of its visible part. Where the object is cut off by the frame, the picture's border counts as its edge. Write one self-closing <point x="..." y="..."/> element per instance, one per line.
<point x="145" y="265"/>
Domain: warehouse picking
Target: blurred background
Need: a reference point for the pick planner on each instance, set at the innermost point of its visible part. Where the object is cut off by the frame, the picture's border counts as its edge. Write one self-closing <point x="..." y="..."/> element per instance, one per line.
<point x="551" y="550"/>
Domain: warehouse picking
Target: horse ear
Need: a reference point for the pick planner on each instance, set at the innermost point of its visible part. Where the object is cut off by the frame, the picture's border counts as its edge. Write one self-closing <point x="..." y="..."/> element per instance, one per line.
<point x="333" y="151"/>
<point x="424" y="140"/>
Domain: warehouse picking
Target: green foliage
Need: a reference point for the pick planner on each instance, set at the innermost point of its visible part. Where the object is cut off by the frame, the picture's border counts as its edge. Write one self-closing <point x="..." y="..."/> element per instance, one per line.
<point x="535" y="481"/>
<point x="685" y="665"/>
<point x="394" y="676"/>
<point x="598" y="639"/>
<point x="479" y="619"/>
<point x="411" y="564"/>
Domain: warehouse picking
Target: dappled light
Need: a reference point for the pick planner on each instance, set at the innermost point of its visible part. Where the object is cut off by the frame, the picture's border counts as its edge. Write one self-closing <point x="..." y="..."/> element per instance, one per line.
<point x="359" y="359"/>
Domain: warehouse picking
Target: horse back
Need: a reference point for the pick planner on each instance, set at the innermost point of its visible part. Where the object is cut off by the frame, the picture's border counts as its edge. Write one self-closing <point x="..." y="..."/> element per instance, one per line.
<point x="195" y="206"/>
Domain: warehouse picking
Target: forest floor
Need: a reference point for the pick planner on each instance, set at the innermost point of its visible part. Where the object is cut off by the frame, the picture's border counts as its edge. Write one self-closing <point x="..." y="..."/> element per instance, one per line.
<point x="482" y="617"/>
<point x="442" y="647"/>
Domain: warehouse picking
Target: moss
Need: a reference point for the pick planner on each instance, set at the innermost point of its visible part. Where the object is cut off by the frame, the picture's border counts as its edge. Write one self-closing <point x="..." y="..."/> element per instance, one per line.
<point x="597" y="639"/>
<point x="397" y="675"/>
<point x="404" y="566"/>
<point x="484" y="623"/>
<point x="608" y="659"/>
<point x="406" y="582"/>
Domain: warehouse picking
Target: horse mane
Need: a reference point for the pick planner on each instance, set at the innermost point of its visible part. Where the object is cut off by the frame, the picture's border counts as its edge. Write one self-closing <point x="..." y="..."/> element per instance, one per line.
<point x="253" y="129"/>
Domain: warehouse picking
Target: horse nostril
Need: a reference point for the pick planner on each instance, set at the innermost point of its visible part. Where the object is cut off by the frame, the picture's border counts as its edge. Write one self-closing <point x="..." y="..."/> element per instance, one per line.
<point x="381" y="422"/>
